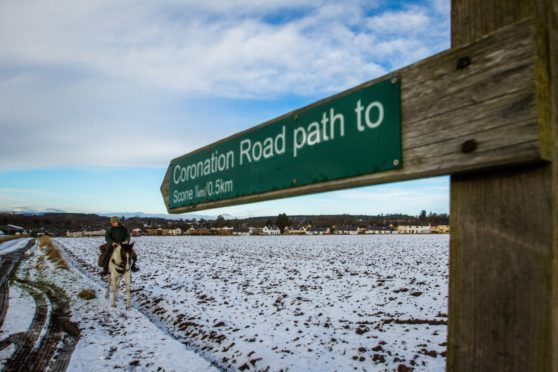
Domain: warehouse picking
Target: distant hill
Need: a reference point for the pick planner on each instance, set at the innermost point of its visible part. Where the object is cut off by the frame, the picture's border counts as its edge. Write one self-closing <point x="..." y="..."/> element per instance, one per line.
<point x="356" y="220"/>
<point x="20" y="210"/>
<point x="29" y="211"/>
<point x="164" y="216"/>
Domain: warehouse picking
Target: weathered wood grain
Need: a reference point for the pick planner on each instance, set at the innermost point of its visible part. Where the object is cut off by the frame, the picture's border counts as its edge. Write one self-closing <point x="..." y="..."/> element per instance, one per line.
<point x="551" y="14"/>
<point x="503" y="295"/>
<point x="500" y="271"/>
<point x="493" y="101"/>
<point x="472" y="19"/>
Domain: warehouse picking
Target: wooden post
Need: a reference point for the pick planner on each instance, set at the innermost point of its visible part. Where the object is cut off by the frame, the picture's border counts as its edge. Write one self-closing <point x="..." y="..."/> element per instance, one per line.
<point x="503" y="297"/>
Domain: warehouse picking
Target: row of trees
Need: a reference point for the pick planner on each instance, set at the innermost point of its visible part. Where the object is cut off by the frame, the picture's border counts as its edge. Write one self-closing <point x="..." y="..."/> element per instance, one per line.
<point x="59" y="223"/>
<point x="283" y="220"/>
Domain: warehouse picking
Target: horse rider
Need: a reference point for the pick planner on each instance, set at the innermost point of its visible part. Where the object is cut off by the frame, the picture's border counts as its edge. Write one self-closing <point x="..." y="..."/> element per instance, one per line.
<point x="115" y="235"/>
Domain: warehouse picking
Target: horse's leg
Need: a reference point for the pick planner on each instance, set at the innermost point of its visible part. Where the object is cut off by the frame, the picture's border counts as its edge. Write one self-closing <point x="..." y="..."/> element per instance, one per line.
<point x="107" y="295"/>
<point x="115" y="285"/>
<point x="128" y="299"/>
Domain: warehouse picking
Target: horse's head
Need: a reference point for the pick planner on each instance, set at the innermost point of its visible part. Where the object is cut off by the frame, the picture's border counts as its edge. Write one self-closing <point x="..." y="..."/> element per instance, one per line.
<point x="127" y="248"/>
<point x="126" y="252"/>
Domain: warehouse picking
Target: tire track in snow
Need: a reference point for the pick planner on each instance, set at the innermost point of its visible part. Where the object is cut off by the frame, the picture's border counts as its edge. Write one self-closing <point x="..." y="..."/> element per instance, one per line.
<point x="25" y="342"/>
<point x="51" y="337"/>
<point x="9" y="261"/>
<point x="62" y="335"/>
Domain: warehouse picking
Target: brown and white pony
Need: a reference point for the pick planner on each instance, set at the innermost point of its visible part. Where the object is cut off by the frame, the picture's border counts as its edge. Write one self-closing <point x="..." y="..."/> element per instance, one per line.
<point x="119" y="268"/>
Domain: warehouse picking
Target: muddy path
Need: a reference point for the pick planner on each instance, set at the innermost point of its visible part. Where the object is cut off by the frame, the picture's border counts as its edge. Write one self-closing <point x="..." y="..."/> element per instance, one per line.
<point x="51" y="338"/>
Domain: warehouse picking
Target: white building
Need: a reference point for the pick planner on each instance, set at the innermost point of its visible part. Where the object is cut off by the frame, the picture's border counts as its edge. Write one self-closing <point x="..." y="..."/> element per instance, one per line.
<point x="379" y="230"/>
<point x="271" y="230"/>
<point x="79" y="234"/>
<point x="295" y="230"/>
<point x="346" y="230"/>
<point x="413" y="229"/>
<point x="175" y="232"/>
<point x="94" y="233"/>
<point x="318" y="230"/>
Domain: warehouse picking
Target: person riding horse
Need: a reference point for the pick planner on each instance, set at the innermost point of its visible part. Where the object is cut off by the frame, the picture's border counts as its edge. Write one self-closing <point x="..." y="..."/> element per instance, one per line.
<point x="115" y="235"/>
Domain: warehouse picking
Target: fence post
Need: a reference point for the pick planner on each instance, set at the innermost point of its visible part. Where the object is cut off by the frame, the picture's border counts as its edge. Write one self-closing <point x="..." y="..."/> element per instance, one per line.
<point x="503" y="295"/>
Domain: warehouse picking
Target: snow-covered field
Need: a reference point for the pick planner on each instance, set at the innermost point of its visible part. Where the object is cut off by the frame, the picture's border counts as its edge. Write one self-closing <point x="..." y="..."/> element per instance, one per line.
<point x="294" y="302"/>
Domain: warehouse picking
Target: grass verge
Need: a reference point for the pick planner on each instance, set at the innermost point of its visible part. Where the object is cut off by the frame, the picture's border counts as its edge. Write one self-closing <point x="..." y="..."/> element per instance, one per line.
<point x="87" y="294"/>
<point x="52" y="253"/>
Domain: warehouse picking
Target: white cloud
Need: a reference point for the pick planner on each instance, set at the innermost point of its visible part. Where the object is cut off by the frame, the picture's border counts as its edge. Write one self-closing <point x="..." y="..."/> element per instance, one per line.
<point x="400" y="22"/>
<point x="212" y="48"/>
<point x="76" y="75"/>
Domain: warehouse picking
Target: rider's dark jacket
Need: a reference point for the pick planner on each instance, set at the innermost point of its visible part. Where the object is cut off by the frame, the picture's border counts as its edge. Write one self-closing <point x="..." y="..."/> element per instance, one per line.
<point x="117" y="235"/>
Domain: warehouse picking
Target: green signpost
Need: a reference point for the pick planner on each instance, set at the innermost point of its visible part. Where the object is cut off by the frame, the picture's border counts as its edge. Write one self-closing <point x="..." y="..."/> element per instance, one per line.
<point x="356" y="134"/>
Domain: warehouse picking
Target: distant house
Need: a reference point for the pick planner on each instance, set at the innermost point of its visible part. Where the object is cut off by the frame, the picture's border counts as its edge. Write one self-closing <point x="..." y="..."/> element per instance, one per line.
<point x="80" y="234"/>
<point x="241" y="231"/>
<point x="173" y="232"/>
<point x="295" y="230"/>
<point x="318" y="230"/>
<point x="255" y="230"/>
<point x="136" y="232"/>
<point x="439" y="229"/>
<point x="94" y="233"/>
<point x="198" y="231"/>
<point x="14" y="230"/>
<point x="226" y="231"/>
<point x="378" y="230"/>
<point x="271" y="230"/>
<point x="220" y="231"/>
<point x="164" y="232"/>
<point x="346" y="230"/>
<point x="154" y="232"/>
<point x="2" y="232"/>
<point x="413" y="229"/>
<point x="169" y="232"/>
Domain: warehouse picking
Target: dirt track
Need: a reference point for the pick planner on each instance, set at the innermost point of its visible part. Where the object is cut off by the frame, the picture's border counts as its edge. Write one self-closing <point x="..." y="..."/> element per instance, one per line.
<point x="51" y="337"/>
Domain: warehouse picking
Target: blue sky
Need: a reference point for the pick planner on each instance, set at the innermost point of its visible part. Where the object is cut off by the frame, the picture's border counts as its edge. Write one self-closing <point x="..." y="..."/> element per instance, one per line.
<point x="98" y="96"/>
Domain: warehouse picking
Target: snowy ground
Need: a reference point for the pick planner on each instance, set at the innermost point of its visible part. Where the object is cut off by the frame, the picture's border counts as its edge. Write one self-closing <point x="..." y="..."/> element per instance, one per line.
<point x="16" y="320"/>
<point x="110" y="338"/>
<point x="12" y="245"/>
<point x="289" y="302"/>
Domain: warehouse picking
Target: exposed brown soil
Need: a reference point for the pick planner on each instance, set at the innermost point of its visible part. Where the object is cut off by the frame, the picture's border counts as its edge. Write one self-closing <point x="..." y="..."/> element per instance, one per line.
<point x="416" y="321"/>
